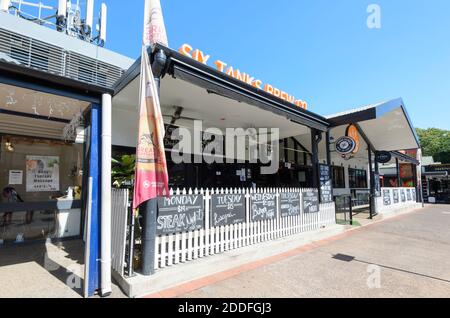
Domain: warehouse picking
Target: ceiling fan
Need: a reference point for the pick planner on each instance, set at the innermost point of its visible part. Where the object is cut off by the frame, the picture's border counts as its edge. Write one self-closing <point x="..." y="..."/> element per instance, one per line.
<point x="178" y="110"/>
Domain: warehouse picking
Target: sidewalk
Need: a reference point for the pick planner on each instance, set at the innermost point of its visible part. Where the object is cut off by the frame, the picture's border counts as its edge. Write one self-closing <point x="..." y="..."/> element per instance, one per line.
<point x="268" y="256"/>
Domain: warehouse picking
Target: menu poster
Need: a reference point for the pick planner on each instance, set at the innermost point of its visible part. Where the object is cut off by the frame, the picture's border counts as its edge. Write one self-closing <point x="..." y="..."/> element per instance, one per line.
<point x="42" y="173"/>
<point x="326" y="186"/>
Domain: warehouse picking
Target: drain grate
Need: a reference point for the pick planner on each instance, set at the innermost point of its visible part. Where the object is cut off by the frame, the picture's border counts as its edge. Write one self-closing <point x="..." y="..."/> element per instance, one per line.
<point x="344" y="258"/>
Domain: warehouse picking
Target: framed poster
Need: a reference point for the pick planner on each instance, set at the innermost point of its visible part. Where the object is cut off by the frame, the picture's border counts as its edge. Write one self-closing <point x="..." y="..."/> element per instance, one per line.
<point x="42" y="173"/>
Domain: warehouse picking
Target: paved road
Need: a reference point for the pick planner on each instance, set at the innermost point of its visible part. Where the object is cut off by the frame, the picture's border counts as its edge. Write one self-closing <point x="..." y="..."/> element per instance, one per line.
<point x="410" y="253"/>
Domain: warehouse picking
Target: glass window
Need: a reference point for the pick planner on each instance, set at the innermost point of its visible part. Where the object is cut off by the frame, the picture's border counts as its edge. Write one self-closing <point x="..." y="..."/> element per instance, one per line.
<point x="357" y="178"/>
<point x="338" y="177"/>
<point x="35" y="177"/>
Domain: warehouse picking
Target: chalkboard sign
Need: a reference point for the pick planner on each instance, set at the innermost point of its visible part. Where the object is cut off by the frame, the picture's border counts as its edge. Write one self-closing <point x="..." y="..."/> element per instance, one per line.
<point x="408" y="195"/>
<point x="181" y="213"/>
<point x="263" y="206"/>
<point x="227" y="209"/>
<point x="403" y="196"/>
<point x="377" y="185"/>
<point x="289" y="204"/>
<point x="326" y="185"/>
<point x="310" y="202"/>
<point x="396" y="197"/>
<point x="387" y="197"/>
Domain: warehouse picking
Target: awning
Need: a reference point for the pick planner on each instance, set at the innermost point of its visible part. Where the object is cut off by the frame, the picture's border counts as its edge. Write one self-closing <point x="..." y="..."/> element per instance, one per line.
<point x="215" y="82"/>
<point x="386" y="125"/>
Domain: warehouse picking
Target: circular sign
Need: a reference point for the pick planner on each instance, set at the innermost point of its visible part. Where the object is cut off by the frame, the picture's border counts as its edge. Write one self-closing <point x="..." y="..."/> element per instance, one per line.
<point x="345" y="145"/>
<point x="383" y="156"/>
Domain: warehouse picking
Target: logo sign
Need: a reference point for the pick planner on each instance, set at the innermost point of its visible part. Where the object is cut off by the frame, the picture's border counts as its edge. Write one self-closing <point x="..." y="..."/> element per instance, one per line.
<point x="383" y="156"/>
<point x="223" y="67"/>
<point x="345" y="145"/>
<point x="353" y="133"/>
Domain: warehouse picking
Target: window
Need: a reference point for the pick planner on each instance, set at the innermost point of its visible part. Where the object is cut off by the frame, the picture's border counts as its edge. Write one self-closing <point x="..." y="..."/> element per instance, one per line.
<point x="357" y="178"/>
<point x="338" y="177"/>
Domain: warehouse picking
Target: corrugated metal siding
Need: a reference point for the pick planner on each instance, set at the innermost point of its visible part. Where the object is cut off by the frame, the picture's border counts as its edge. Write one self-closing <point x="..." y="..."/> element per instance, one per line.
<point x="49" y="58"/>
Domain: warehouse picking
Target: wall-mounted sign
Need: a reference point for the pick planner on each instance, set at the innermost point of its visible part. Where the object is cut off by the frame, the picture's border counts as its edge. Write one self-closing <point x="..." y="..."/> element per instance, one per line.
<point x="289" y="204"/>
<point x="223" y="67"/>
<point x="353" y="133"/>
<point x="383" y="156"/>
<point x="42" y="173"/>
<point x="310" y="202"/>
<point x="408" y="195"/>
<point x="182" y="213"/>
<point x="396" y="196"/>
<point x="326" y="186"/>
<point x="403" y="195"/>
<point x="15" y="177"/>
<point x="414" y="195"/>
<point x="227" y="209"/>
<point x="345" y="145"/>
<point x="263" y="206"/>
<point x="387" y="197"/>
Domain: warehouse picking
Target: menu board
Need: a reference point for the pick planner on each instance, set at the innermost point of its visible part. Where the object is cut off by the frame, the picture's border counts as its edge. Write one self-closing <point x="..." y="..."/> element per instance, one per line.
<point x="326" y="184"/>
<point x="408" y="195"/>
<point x="310" y="201"/>
<point x="289" y="204"/>
<point x="387" y="197"/>
<point x="396" y="196"/>
<point x="182" y="213"/>
<point x="403" y="195"/>
<point x="227" y="209"/>
<point x="263" y="206"/>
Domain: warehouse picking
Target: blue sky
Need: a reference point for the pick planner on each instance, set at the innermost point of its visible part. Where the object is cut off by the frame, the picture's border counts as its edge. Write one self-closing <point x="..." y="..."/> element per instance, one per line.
<point x="320" y="51"/>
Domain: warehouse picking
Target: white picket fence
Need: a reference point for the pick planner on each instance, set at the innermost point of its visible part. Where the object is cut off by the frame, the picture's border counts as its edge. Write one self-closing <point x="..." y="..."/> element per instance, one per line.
<point x="119" y="216"/>
<point x="179" y="248"/>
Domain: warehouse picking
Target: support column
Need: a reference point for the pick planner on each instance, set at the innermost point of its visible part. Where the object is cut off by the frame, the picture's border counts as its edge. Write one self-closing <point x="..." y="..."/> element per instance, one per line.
<point x="106" y="195"/>
<point x="316" y="137"/>
<point x="397" y="164"/>
<point x="372" y="184"/>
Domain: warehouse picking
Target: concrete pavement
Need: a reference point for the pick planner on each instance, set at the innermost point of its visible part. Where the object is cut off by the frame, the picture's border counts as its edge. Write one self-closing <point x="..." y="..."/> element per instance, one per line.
<point x="407" y="256"/>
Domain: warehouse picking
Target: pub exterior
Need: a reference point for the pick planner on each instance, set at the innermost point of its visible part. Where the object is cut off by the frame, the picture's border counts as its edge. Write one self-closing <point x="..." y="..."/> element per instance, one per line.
<point x="62" y="120"/>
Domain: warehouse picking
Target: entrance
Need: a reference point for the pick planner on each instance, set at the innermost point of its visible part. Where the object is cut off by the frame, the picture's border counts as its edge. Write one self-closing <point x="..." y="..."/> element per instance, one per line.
<point x="42" y="184"/>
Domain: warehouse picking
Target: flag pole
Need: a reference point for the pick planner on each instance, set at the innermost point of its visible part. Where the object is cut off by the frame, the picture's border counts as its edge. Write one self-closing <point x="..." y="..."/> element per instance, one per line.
<point x="149" y="209"/>
<point x="154" y="32"/>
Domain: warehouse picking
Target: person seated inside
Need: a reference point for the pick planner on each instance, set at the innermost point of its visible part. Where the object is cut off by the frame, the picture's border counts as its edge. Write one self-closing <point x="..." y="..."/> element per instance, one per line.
<point x="10" y="195"/>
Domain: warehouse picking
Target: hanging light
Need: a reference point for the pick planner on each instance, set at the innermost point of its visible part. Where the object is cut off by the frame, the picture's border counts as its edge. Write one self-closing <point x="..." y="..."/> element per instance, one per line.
<point x="9" y="146"/>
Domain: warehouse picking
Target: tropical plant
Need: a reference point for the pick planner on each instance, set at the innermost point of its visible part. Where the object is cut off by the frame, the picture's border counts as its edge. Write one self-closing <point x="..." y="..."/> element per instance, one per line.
<point x="123" y="171"/>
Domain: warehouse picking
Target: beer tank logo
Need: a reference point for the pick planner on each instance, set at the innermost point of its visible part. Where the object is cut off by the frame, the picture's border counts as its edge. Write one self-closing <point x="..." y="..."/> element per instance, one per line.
<point x="345" y="145"/>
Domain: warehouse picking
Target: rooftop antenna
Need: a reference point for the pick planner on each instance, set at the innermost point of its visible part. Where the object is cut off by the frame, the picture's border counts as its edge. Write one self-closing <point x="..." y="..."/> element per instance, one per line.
<point x="4" y="5"/>
<point x="103" y="19"/>
<point x="89" y="18"/>
<point x="61" y="15"/>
